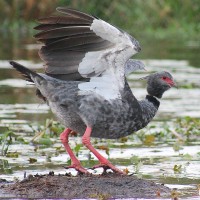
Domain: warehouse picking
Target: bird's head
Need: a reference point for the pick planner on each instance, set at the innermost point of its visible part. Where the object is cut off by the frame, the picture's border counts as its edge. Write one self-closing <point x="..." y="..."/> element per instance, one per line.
<point x="158" y="83"/>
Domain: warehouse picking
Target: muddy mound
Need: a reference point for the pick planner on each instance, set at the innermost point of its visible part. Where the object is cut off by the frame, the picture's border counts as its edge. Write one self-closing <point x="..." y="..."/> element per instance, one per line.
<point x="84" y="186"/>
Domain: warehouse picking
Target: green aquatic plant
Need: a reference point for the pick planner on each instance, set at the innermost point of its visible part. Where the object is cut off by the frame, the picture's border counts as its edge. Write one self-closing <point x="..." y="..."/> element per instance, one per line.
<point x="179" y="131"/>
<point x="45" y="133"/>
<point x="177" y="168"/>
<point x="32" y="160"/>
<point x="51" y="128"/>
<point x="138" y="163"/>
<point x="12" y="154"/>
<point x="5" y="167"/>
<point x="180" y="169"/>
<point x="188" y="127"/>
<point x="77" y="149"/>
<point x="6" y="138"/>
<point x="177" y="146"/>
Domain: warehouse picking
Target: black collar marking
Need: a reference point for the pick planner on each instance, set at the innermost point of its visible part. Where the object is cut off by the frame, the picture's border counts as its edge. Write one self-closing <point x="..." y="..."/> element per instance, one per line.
<point x="153" y="100"/>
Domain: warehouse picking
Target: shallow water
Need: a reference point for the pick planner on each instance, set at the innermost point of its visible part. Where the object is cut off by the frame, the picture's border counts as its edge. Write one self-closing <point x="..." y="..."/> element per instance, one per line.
<point x="21" y="111"/>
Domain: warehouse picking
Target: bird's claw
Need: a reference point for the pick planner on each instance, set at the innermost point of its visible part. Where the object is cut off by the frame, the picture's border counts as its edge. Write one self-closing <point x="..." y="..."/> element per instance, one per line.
<point x="108" y="166"/>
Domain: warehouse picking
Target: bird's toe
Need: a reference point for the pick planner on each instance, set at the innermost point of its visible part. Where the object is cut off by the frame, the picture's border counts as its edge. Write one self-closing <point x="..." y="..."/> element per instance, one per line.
<point x="78" y="168"/>
<point x="108" y="166"/>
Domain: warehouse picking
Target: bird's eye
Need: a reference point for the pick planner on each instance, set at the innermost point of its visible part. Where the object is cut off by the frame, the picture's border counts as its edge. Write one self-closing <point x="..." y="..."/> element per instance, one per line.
<point x="164" y="78"/>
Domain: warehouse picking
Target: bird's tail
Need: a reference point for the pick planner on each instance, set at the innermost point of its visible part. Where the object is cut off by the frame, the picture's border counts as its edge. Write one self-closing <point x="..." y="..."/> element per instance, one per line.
<point x="28" y="74"/>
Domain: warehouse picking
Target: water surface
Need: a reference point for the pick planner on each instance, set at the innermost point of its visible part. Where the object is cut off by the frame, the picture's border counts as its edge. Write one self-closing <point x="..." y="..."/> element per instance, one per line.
<point x="23" y="112"/>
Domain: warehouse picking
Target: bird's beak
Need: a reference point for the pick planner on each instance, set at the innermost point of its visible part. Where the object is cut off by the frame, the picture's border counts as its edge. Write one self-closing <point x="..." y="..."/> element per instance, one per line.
<point x="145" y="77"/>
<point x="173" y="84"/>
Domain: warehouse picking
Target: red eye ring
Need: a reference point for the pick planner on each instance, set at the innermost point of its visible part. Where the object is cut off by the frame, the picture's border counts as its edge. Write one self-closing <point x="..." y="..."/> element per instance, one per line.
<point x="164" y="77"/>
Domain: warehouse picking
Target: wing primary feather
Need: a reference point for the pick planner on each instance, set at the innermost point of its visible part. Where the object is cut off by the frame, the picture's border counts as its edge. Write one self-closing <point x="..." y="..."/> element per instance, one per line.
<point x="46" y="27"/>
<point x="71" y="76"/>
<point x="65" y="20"/>
<point x="62" y="55"/>
<point x="53" y="40"/>
<point x="65" y="69"/>
<point x="72" y="42"/>
<point x="75" y="13"/>
<point x="62" y="32"/>
<point x="96" y="46"/>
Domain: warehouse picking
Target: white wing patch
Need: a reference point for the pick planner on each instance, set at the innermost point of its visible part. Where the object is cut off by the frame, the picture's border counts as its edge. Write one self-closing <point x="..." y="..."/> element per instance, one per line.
<point x="104" y="86"/>
<point x="105" y="68"/>
<point x="92" y="63"/>
<point x="110" y="33"/>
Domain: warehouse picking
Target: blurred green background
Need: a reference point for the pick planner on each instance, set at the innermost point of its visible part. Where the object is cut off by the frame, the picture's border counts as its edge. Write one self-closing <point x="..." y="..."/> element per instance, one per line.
<point x="150" y="21"/>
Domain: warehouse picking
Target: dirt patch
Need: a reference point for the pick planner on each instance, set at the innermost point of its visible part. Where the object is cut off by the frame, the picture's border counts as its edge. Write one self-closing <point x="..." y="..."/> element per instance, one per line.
<point x="105" y="186"/>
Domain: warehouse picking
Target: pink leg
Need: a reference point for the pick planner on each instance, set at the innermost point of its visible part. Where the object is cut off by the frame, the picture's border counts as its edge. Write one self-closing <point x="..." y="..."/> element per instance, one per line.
<point x="75" y="162"/>
<point x="103" y="161"/>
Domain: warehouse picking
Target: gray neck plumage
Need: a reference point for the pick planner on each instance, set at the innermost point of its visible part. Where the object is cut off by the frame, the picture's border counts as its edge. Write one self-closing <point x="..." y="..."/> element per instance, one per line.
<point x="149" y="107"/>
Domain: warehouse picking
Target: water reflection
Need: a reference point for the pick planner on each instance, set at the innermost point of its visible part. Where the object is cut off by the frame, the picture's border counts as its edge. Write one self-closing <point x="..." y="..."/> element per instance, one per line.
<point x="13" y="46"/>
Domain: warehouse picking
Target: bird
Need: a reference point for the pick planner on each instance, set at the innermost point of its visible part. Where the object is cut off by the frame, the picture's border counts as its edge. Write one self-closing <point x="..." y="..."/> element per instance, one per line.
<point x="87" y="61"/>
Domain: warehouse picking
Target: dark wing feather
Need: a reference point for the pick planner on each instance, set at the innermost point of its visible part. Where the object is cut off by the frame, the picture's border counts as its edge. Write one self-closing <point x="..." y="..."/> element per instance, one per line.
<point x="94" y="46"/>
<point x="62" y="55"/>
<point x="57" y="70"/>
<point x="63" y="32"/>
<point x="66" y="20"/>
<point x="61" y="61"/>
<point x="73" y="76"/>
<point x="67" y="38"/>
<point x="46" y="27"/>
<point x="75" y="13"/>
<point x="70" y="42"/>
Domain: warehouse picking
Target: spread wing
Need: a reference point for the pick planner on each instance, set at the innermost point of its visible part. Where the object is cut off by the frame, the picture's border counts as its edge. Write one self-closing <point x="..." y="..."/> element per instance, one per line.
<point x="78" y="46"/>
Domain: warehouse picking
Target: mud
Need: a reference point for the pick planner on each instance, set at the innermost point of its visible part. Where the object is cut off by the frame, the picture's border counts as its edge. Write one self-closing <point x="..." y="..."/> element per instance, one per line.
<point x="105" y="186"/>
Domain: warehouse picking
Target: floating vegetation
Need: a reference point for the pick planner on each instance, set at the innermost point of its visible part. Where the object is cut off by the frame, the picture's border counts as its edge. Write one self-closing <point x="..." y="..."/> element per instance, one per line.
<point x="182" y="130"/>
<point x="32" y="160"/>
<point x="153" y="153"/>
<point x="188" y="127"/>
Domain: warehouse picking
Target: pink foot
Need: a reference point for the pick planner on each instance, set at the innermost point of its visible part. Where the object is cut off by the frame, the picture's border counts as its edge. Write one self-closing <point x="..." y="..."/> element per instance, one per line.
<point x="108" y="166"/>
<point x="103" y="161"/>
<point x="78" y="168"/>
<point x="75" y="162"/>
